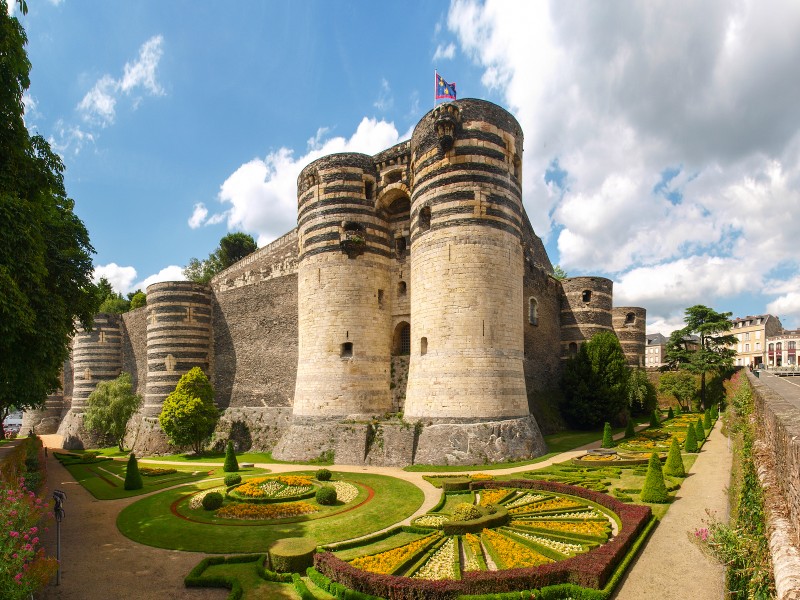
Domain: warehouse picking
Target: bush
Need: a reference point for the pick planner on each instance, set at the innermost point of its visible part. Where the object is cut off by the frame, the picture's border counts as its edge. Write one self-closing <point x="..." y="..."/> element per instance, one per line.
<point x="292" y="555"/>
<point x="233" y="479"/>
<point x="456" y="484"/>
<point x="671" y="413"/>
<point x="690" y="445"/>
<point x="630" y="430"/>
<point x="655" y="421"/>
<point x="326" y="495"/>
<point x="674" y="465"/>
<point x="133" y="479"/>
<point x="323" y="475"/>
<point x="654" y="489"/>
<point x="466" y="512"/>
<point x="231" y="464"/>
<point x="608" y="438"/>
<point x="714" y="412"/>
<point x="212" y="501"/>
<point x="699" y="431"/>
<point x="707" y="422"/>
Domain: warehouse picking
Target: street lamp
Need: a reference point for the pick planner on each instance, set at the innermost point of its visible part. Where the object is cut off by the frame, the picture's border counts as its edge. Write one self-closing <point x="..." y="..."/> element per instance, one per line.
<point x="58" y="511"/>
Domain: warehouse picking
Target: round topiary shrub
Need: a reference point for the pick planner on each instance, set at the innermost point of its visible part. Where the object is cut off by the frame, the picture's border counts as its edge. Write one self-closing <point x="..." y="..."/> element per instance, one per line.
<point x="233" y="479"/>
<point x="133" y="479"/>
<point x="212" y="501"/>
<point x="466" y="512"/>
<point x="608" y="438"/>
<point x="231" y="464"/>
<point x="326" y="495"/>
<point x="292" y="555"/>
<point x="690" y="445"/>
<point x="674" y="465"/>
<point x="323" y="475"/>
<point x="654" y="490"/>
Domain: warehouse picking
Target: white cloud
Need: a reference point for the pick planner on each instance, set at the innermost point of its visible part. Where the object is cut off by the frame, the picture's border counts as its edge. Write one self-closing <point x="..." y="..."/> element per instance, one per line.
<point x="263" y="193"/>
<point x="68" y="138"/>
<point x="170" y="273"/>
<point x="98" y="106"/>
<point x="198" y="216"/>
<point x="444" y="52"/>
<point x="124" y="280"/>
<point x="385" y="99"/>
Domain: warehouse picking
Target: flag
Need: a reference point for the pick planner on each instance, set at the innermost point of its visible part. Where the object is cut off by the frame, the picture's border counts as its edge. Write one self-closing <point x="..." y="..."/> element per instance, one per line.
<point x="444" y="90"/>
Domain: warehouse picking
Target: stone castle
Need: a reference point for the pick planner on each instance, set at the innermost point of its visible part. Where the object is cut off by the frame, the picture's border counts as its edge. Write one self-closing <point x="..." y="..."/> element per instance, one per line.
<point x="411" y="317"/>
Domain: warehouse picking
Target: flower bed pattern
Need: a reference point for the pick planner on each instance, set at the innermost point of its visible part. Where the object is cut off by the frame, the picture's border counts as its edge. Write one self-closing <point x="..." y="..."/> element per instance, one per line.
<point x="242" y="510"/>
<point x="564" y="550"/>
<point x="281" y="488"/>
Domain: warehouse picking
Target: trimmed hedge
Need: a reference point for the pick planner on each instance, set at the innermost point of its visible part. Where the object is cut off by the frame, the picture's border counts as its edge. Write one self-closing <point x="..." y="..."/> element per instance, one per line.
<point x="590" y="570"/>
<point x="231" y="464"/>
<point x="326" y="495"/>
<point x="233" y="479"/>
<point x="212" y="501"/>
<point x="500" y="517"/>
<point x="674" y="465"/>
<point x="456" y="484"/>
<point x="133" y="479"/>
<point x="292" y="555"/>
<point x="195" y="578"/>
<point x="608" y="437"/>
<point x="654" y="489"/>
<point x="323" y="475"/>
<point x="690" y="444"/>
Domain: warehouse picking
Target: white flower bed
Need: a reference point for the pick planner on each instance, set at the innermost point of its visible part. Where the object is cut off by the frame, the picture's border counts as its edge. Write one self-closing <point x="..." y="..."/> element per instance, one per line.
<point x="470" y="560"/>
<point x="570" y="515"/>
<point x="196" y="502"/>
<point x="345" y="492"/>
<point x="271" y="487"/>
<point x="440" y="565"/>
<point x="526" y="499"/>
<point x="292" y="490"/>
<point x="563" y="547"/>
<point x="431" y="520"/>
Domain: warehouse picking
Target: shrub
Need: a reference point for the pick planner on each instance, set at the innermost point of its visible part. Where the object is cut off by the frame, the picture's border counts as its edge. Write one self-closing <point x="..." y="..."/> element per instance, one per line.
<point x="466" y="512"/>
<point x="671" y="413"/>
<point x="608" y="438"/>
<point x="133" y="479"/>
<point x="630" y="430"/>
<point x="231" y="464"/>
<point x="188" y="415"/>
<point x="212" y="501"/>
<point x="456" y="484"/>
<point x="233" y="479"/>
<point x="292" y="555"/>
<point x="326" y="495"/>
<point x="654" y="489"/>
<point x="714" y="412"/>
<point x="655" y="421"/>
<point x="690" y="445"/>
<point x="674" y="465"/>
<point x="323" y="475"/>
<point x="699" y="431"/>
<point x="707" y="422"/>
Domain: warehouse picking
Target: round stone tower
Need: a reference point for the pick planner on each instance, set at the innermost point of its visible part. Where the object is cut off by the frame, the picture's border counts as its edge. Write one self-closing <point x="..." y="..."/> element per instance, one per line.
<point x="630" y="326"/>
<point x="96" y="357"/>
<point x="178" y="339"/>
<point x="585" y="310"/>
<point x="466" y="367"/>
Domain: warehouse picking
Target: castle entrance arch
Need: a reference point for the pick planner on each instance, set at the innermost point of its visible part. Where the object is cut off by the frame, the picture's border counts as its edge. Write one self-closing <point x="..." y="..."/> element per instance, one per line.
<point x="401" y="349"/>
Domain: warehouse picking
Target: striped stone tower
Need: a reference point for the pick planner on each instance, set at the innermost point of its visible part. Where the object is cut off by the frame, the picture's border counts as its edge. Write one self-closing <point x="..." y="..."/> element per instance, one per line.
<point x="467" y="264"/>
<point x="96" y="357"/>
<point x="178" y="338"/>
<point x="585" y="310"/>
<point x="630" y="326"/>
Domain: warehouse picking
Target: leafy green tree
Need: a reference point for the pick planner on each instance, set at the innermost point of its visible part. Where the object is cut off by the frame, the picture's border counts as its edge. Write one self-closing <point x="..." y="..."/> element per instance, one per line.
<point x="559" y="273"/>
<point x="133" y="478"/>
<point x="681" y="384"/>
<point x="110" y="406"/>
<point x="189" y="416"/>
<point x="712" y="353"/>
<point x="46" y="288"/>
<point x="595" y="383"/>
<point x="138" y="300"/>
<point x="232" y="248"/>
<point x="642" y="397"/>
<point x="110" y="301"/>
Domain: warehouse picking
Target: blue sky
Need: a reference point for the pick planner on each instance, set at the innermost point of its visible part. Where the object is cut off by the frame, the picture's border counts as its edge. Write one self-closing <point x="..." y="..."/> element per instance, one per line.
<point x="662" y="142"/>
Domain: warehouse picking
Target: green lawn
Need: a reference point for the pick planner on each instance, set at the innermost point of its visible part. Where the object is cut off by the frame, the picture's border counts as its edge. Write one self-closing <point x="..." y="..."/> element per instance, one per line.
<point x="150" y="520"/>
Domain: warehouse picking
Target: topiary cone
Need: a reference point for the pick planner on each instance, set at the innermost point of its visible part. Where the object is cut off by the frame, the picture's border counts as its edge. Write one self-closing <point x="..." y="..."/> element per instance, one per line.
<point x="231" y="464"/>
<point x="714" y="413"/>
<point x="608" y="439"/>
<point x="630" y="431"/>
<point x="674" y="465"/>
<point x="671" y="413"/>
<point x="654" y="490"/>
<point x="690" y="445"/>
<point x="654" y="420"/>
<point x="699" y="431"/>
<point x="133" y="479"/>
<point x="707" y="422"/>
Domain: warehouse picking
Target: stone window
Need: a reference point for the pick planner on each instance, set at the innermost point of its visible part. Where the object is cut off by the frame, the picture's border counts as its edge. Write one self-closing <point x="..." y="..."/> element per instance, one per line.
<point x="402" y="288"/>
<point x="747" y="336"/>
<point x="533" y="311"/>
<point x="347" y="350"/>
<point x="425" y="218"/>
<point x="369" y="189"/>
<point x="394" y="176"/>
<point x="747" y="347"/>
<point x="423" y="346"/>
<point x="400" y="246"/>
<point x="792" y="346"/>
<point x="772" y="347"/>
<point x="573" y="348"/>
<point x="401" y="344"/>
<point x="779" y="347"/>
<point x="630" y="319"/>
<point x="586" y="296"/>
<point x="380" y="298"/>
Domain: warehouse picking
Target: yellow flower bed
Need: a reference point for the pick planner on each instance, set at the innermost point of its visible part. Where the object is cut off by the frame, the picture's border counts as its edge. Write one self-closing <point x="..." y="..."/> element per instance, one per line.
<point x="493" y="496"/>
<point x="474" y="543"/>
<point x="252" y="489"/>
<point x="554" y="504"/>
<point x="599" y="457"/>
<point x="481" y="476"/>
<point x="587" y="527"/>
<point x="386" y="562"/>
<point x="297" y="480"/>
<point x="513" y="554"/>
<point x="265" y="511"/>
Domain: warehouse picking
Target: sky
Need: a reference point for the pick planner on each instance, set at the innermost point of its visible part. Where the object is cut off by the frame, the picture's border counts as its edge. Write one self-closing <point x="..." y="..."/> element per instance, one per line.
<point x="662" y="139"/>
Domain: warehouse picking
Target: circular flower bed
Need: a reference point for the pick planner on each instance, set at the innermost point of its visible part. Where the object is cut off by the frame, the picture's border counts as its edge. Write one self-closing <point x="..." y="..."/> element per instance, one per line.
<point x="282" y="488"/>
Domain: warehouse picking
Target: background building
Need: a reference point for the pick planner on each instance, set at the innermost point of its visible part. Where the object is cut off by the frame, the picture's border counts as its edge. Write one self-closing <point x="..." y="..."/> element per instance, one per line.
<point x="751" y="334"/>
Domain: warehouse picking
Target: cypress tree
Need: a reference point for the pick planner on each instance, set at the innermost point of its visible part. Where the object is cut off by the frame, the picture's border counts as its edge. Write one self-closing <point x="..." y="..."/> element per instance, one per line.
<point x="699" y="431"/>
<point x="674" y="465"/>
<point x="133" y="479"/>
<point x="654" y="419"/>
<point x="630" y="431"/>
<point x="608" y="439"/>
<point x="671" y="413"/>
<point x="231" y="464"/>
<point x="654" y="489"/>
<point x="690" y="445"/>
<point x="707" y="422"/>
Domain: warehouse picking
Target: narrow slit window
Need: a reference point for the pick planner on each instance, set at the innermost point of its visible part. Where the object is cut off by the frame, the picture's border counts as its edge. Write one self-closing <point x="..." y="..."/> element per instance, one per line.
<point x="347" y="350"/>
<point x="402" y="288"/>
<point x="533" y="311"/>
<point x="380" y="298"/>
<point x="630" y="318"/>
<point x="369" y="189"/>
<point x="573" y="348"/>
<point x="587" y="295"/>
<point x="425" y="218"/>
<point x="423" y="346"/>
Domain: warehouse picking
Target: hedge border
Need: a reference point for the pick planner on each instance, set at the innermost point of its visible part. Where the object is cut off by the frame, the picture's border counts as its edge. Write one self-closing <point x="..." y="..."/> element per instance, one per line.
<point x="196" y="579"/>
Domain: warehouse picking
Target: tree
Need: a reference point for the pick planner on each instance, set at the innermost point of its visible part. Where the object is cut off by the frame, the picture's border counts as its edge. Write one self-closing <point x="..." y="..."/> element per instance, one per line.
<point x="231" y="464"/>
<point x="654" y="489"/>
<point x="642" y="397"/>
<point x="138" y="299"/>
<point x="608" y="437"/>
<point x="110" y="301"/>
<point x="681" y="384"/>
<point x="46" y="289"/>
<point x="110" y="406"/>
<point x="189" y="416"/>
<point x="712" y="353"/>
<point x="559" y="273"/>
<point x="133" y="478"/>
<point x="595" y="383"/>
<point x="232" y="248"/>
<point x="674" y="465"/>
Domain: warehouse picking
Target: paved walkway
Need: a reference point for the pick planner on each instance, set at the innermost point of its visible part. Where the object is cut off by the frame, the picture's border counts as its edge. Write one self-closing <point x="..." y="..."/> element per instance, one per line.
<point x="671" y="567"/>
